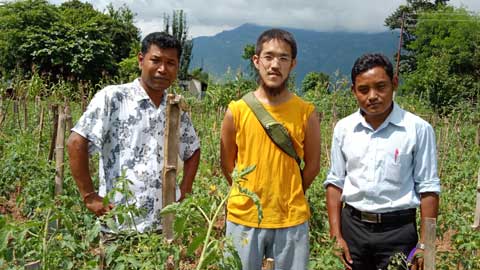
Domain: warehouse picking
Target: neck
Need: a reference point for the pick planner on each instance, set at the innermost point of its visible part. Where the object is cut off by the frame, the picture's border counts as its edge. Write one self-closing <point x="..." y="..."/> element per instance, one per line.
<point x="376" y="120"/>
<point x="155" y="95"/>
<point x="272" y="96"/>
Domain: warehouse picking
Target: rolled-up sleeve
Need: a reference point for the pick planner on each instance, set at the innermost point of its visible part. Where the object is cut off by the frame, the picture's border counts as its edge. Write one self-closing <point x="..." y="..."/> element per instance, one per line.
<point x="93" y="124"/>
<point x="336" y="175"/>
<point x="425" y="161"/>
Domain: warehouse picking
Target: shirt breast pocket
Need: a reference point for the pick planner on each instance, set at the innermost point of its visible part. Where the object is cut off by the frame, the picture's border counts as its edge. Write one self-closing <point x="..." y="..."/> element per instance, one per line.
<point x="396" y="166"/>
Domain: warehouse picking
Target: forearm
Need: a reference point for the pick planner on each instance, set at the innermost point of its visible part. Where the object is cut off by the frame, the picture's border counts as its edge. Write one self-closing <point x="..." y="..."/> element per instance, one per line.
<point x="79" y="165"/>
<point x="334" y="209"/>
<point x="310" y="171"/>
<point x="429" y="203"/>
<point x="189" y="171"/>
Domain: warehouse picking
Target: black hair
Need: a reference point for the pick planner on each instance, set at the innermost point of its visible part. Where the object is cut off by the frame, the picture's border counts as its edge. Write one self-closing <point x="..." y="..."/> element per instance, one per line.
<point x="369" y="61"/>
<point x="279" y="34"/>
<point x="163" y="40"/>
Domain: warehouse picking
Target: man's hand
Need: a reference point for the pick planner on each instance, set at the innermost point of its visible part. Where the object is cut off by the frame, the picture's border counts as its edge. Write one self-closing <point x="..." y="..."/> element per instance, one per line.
<point x="94" y="203"/>
<point x="343" y="252"/>
<point x="417" y="261"/>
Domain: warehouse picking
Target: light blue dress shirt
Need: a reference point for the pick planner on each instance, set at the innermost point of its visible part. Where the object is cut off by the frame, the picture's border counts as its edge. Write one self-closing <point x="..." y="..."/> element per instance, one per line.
<point x="385" y="169"/>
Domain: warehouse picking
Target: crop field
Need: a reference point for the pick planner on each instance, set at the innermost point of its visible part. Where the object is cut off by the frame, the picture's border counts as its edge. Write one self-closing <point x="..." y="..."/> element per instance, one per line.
<point x="48" y="227"/>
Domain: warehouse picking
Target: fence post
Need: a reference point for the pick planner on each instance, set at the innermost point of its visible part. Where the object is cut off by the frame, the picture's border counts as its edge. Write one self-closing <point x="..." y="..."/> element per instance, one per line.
<point x="54" y="109"/>
<point x="270" y="265"/>
<point x="59" y="152"/>
<point x="477" y="136"/>
<point x="170" y="161"/>
<point x="40" y="131"/>
<point x="430" y="236"/>
<point x="476" y="220"/>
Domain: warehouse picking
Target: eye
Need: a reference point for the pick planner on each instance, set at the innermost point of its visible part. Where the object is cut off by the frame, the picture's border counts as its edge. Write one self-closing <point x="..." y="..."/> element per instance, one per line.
<point x="268" y="57"/>
<point x="284" y="59"/>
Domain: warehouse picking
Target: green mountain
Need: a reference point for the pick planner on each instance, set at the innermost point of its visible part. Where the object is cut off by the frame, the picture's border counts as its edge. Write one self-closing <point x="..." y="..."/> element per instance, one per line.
<point x="317" y="51"/>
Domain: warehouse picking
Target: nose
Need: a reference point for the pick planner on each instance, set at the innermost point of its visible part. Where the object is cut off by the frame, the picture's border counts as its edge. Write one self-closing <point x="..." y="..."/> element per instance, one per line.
<point x="372" y="95"/>
<point x="161" y="67"/>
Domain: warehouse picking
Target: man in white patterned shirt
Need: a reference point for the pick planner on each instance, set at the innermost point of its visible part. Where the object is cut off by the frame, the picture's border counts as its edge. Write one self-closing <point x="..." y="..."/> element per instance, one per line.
<point x="383" y="166"/>
<point x="126" y="125"/>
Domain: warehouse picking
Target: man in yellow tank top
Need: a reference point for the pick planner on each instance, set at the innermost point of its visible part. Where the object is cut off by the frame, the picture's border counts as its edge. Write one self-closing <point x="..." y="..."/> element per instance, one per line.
<point x="277" y="179"/>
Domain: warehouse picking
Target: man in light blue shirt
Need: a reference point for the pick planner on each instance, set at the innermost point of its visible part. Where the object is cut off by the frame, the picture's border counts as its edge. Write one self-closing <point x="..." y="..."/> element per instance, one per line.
<point x="383" y="166"/>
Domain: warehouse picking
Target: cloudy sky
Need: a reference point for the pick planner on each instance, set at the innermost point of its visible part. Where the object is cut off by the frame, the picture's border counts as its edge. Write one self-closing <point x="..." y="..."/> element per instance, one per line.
<point x="207" y="18"/>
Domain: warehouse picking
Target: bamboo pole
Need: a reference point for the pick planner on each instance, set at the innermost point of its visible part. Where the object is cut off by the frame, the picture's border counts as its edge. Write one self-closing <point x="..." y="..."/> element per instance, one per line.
<point x="430" y="232"/>
<point x="170" y="263"/>
<point x="54" y="110"/>
<point x="25" y="113"/>
<point x="170" y="161"/>
<point x="270" y="264"/>
<point x="40" y="131"/>
<point x="477" y="136"/>
<point x="68" y="118"/>
<point x="59" y="152"/>
<point x="2" y="115"/>
<point x="16" y="113"/>
<point x="476" y="220"/>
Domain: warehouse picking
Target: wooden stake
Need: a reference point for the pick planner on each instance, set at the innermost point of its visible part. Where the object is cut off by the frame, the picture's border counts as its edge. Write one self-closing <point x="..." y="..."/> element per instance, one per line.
<point x="430" y="233"/>
<point x="54" y="131"/>
<point x="477" y="136"/>
<point x="40" y="131"/>
<point x="476" y="220"/>
<point x="270" y="265"/>
<point x="59" y="152"/>
<point x="170" y="263"/>
<point x="68" y="118"/>
<point x="170" y="161"/>
<point x="25" y="113"/>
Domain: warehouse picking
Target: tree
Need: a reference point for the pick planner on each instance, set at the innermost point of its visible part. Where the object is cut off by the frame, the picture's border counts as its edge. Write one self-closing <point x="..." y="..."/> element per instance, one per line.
<point x="446" y="50"/>
<point x="409" y="14"/>
<point x="72" y="41"/>
<point x="316" y="81"/>
<point x="248" y="53"/>
<point x="179" y="29"/>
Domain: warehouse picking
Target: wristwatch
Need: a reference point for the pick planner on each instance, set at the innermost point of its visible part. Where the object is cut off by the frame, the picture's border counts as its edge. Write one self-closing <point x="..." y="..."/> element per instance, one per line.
<point x="420" y="246"/>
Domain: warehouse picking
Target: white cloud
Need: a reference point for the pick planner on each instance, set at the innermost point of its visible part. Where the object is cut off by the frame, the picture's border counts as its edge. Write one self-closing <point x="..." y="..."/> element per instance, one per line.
<point x="211" y="17"/>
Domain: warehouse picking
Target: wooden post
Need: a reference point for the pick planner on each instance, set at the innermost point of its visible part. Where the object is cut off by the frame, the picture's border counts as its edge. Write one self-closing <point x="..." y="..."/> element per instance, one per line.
<point x="54" y="131"/>
<point x="170" y="263"/>
<point x="16" y="113"/>
<point x="477" y="136"/>
<point x="68" y="118"/>
<point x="270" y="265"/>
<point x="170" y="161"/>
<point x="476" y="220"/>
<point x="40" y="131"/>
<point x="59" y="152"/>
<point x="2" y="115"/>
<point x="25" y="113"/>
<point x="430" y="236"/>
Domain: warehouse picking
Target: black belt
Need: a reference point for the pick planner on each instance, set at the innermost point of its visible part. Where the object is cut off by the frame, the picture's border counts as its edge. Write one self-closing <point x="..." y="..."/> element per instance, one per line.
<point x="399" y="217"/>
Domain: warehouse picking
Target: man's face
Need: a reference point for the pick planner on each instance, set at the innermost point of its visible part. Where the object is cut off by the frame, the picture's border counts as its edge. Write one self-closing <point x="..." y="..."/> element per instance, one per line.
<point x="274" y="64"/>
<point x="159" y="67"/>
<point x="374" y="92"/>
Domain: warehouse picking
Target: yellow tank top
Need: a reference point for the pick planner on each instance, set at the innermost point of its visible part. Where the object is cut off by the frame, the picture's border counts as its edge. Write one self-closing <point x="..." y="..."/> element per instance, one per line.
<point x="276" y="179"/>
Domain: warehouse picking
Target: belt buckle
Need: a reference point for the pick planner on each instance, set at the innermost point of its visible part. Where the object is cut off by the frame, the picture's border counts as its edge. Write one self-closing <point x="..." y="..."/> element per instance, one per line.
<point x="370" y="217"/>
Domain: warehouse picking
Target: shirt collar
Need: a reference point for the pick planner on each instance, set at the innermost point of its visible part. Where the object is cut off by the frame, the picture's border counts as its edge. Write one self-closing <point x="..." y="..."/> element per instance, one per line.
<point x="141" y="94"/>
<point x="395" y="117"/>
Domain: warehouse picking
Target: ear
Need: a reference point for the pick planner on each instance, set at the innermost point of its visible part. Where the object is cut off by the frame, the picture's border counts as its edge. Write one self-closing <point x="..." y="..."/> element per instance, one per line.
<point x="140" y="58"/>
<point x="294" y="64"/>
<point x="255" y="60"/>
<point x="395" y="83"/>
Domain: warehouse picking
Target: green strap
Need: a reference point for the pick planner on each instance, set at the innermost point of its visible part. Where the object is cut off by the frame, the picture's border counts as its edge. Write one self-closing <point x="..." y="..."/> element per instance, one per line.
<point x="276" y="131"/>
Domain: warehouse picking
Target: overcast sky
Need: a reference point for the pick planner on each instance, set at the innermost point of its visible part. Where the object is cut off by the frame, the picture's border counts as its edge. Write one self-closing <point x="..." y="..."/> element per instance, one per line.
<point x="206" y="18"/>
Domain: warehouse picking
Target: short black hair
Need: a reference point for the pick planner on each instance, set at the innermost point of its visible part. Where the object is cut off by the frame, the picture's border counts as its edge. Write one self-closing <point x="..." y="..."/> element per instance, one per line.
<point x="163" y="40"/>
<point x="279" y="34"/>
<point x="369" y="61"/>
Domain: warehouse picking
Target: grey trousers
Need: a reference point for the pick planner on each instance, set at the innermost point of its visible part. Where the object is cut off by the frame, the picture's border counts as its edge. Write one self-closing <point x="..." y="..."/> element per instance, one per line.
<point x="289" y="247"/>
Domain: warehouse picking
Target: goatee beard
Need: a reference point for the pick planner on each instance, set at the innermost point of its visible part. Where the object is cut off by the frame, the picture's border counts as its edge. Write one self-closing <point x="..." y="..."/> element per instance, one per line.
<point x="274" y="91"/>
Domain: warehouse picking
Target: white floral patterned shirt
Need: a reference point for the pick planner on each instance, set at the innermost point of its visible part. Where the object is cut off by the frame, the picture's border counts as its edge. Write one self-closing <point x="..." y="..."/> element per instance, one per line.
<point x="127" y="129"/>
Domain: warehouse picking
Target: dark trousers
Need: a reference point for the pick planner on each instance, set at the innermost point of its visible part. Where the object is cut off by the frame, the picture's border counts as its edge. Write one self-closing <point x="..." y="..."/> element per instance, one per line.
<point x="373" y="244"/>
